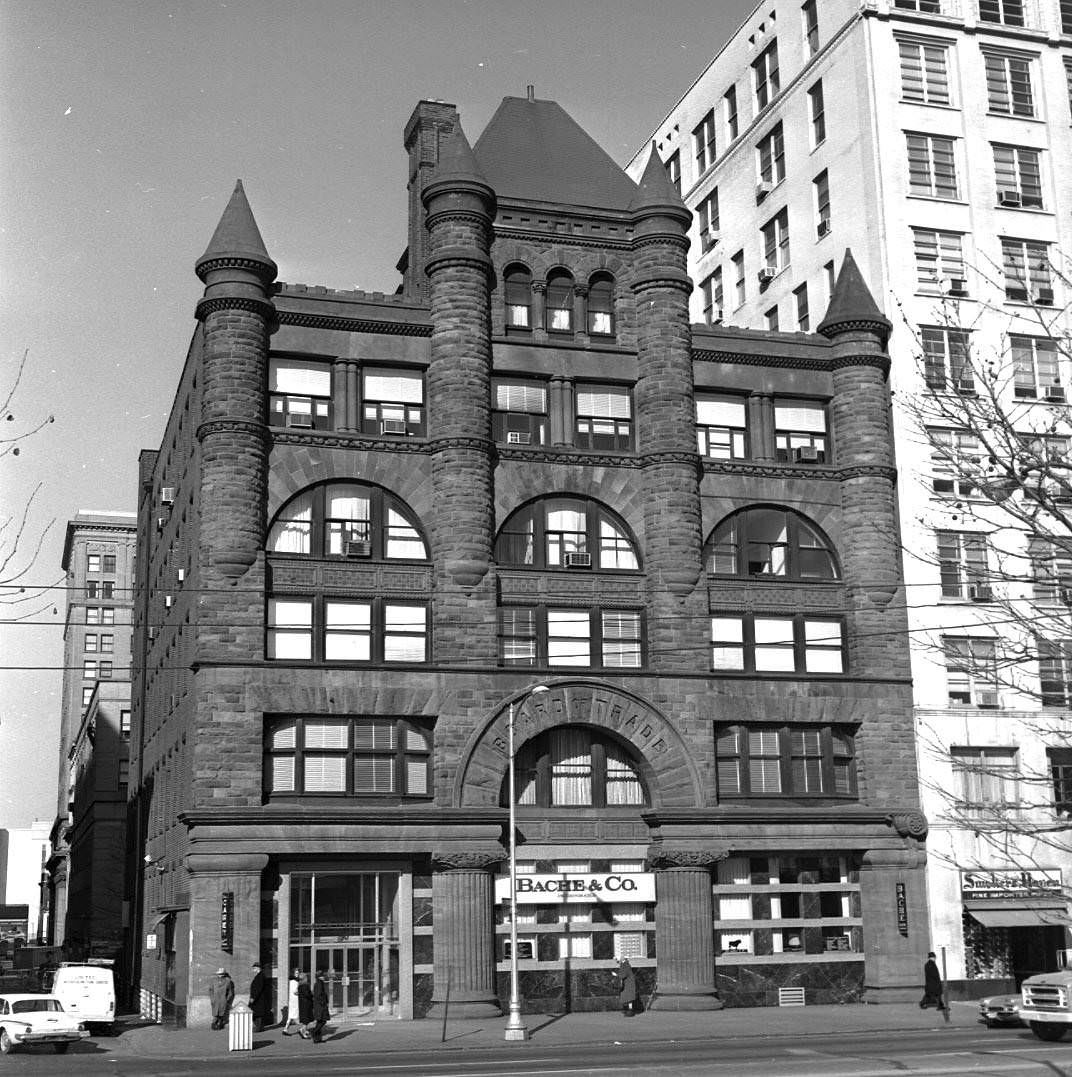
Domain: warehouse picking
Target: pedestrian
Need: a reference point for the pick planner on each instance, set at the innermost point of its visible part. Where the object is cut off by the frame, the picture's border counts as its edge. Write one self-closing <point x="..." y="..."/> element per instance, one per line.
<point x="932" y="985"/>
<point x="221" y="995"/>
<point x="627" y="989"/>
<point x="292" y="1002"/>
<point x="305" y="1006"/>
<point x="320" y="1008"/>
<point x="259" y="998"/>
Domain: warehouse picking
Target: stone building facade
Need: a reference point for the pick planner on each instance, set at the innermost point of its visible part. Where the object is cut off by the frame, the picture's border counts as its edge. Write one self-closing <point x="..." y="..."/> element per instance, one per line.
<point x="523" y="488"/>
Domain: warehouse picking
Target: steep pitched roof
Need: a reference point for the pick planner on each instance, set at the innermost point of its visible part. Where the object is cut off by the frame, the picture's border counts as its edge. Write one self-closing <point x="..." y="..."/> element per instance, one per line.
<point x="655" y="188"/>
<point x="534" y="151"/>
<point x="237" y="234"/>
<point x="456" y="160"/>
<point x="852" y="302"/>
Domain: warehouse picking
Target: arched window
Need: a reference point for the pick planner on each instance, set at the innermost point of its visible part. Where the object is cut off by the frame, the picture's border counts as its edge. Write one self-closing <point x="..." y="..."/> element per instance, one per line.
<point x="573" y="766"/>
<point x="770" y="541"/>
<point x="601" y="305"/>
<point x="565" y="532"/>
<point x="347" y="519"/>
<point x="559" y="302"/>
<point x="517" y="294"/>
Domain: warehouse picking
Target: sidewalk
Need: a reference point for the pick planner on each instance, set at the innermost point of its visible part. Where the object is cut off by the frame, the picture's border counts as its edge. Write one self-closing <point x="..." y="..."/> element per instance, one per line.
<point x="547" y="1030"/>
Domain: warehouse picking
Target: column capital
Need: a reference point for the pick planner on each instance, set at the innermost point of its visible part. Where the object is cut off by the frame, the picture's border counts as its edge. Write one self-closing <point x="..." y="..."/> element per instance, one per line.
<point x="482" y="858"/>
<point x="663" y="859"/>
<point x="909" y="824"/>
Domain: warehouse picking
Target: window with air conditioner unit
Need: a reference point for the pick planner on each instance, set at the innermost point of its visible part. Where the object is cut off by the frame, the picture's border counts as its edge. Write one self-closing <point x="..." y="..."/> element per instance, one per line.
<point x="578" y="560"/>
<point x="167" y="495"/>
<point x="392" y="401"/>
<point x="1044" y="297"/>
<point x="300" y="420"/>
<point x="1056" y="393"/>
<point x="357" y="548"/>
<point x="807" y="454"/>
<point x="823" y="227"/>
<point x="762" y="190"/>
<point x="519" y="411"/>
<point x="299" y="393"/>
<point x="767" y="274"/>
<point x="979" y="592"/>
<point x="958" y="286"/>
<point x="1009" y="198"/>
<point x="518" y="437"/>
<point x="392" y="426"/>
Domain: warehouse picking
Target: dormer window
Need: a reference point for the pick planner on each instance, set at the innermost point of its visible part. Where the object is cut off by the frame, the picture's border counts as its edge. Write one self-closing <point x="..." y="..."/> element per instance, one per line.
<point x="517" y="293"/>
<point x="560" y="302"/>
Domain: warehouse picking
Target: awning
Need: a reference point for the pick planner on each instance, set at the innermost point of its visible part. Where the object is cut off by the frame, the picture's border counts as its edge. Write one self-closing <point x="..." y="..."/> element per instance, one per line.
<point x="1019" y="914"/>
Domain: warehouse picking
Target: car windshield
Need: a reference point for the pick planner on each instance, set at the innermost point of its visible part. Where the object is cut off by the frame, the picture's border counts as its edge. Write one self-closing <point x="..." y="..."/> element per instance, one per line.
<point x="36" y="1005"/>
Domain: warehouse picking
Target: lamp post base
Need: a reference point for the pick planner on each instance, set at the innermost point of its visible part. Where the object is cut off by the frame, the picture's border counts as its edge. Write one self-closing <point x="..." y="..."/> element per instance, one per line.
<point x="516" y="1034"/>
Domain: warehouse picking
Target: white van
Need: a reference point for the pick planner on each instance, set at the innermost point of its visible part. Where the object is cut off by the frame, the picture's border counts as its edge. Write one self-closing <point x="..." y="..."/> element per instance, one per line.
<point x="87" y="991"/>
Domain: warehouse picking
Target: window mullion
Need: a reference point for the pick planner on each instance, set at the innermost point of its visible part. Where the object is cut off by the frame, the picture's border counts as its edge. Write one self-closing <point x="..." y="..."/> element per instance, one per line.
<point x="598" y="756"/>
<point x="785" y="760"/>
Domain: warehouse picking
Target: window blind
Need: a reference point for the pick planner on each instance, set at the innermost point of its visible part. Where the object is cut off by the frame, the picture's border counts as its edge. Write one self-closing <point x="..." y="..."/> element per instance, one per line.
<point x="402" y="386"/>
<point x="301" y="377"/>
<point x="604" y="403"/>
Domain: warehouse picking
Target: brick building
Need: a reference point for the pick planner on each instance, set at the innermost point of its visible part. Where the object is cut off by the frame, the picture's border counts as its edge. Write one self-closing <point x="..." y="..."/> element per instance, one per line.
<point x="379" y="525"/>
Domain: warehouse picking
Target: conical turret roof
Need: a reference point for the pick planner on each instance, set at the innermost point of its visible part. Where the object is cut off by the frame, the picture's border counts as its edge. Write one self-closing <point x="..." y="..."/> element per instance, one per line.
<point x="237" y="235"/>
<point x="457" y="161"/>
<point x="655" y="188"/>
<point x="852" y="303"/>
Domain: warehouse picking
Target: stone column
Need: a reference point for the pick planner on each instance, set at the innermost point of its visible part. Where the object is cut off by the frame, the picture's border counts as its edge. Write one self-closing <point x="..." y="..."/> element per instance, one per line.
<point x="463" y="948"/>
<point x="580" y="313"/>
<point x="684" y="929"/>
<point x="761" y="426"/>
<point x="539" y="306"/>
<point x="211" y="876"/>
<point x="560" y="412"/>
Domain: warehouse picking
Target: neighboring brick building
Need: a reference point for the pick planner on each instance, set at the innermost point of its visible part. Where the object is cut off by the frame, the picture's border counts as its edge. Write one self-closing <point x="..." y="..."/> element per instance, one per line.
<point x="376" y="524"/>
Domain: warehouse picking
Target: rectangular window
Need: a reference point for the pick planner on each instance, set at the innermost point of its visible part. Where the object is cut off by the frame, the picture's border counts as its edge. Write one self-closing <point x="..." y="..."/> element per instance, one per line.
<point x="108" y="617"/>
<point x="338" y="630"/>
<point x="956" y="455"/>
<point x="348" y="756"/>
<point x="1026" y="265"/>
<point x="1066" y="17"/>
<point x="821" y="187"/>
<point x="1008" y="84"/>
<point x="1060" y="760"/>
<point x="123" y="774"/>
<point x="775" y="235"/>
<point x="108" y="562"/>
<point x="971" y="671"/>
<point x="792" y="760"/>
<point x="986" y="778"/>
<point x="673" y="170"/>
<point x="722" y="427"/>
<point x="93" y="615"/>
<point x="1055" y="672"/>
<point x="738" y="277"/>
<point x="800" y="297"/>
<point x="829" y="277"/>
<point x="770" y="157"/>
<point x="932" y="169"/>
<point x="765" y="75"/>
<point x="604" y="418"/>
<point x="810" y="15"/>
<point x="765" y="644"/>
<point x="729" y="108"/>
<point x="91" y="642"/>
<point x="290" y="628"/>
<point x="393" y="402"/>
<point x="519" y="415"/>
<point x="89" y="669"/>
<point x="931" y="7"/>
<point x="711" y="290"/>
<point x="1006" y="12"/>
<point x="124" y="724"/>
<point x="1036" y="373"/>
<point x="939" y="261"/>
<point x="93" y="562"/>
<point x="770" y="320"/>
<point x="1019" y="178"/>
<point x="299" y="393"/>
<point x="588" y="638"/>
<point x="924" y="72"/>
<point x="947" y="359"/>
<point x="105" y="671"/>
<point x="703" y="143"/>
<point x="87" y="695"/>
<point x="107" y="589"/>
<point x="621" y="639"/>
<point x="1051" y="570"/>
<point x="347" y="631"/>
<point x="962" y="565"/>
<point x="708" y="220"/>
<point x="800" y="424"/>
<point x="818" y="114"/>
<point x="1068" y="80"/>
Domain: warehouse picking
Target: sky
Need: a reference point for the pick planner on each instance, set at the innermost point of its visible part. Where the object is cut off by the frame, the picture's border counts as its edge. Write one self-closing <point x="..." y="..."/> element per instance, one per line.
<point x="123" y="127"/>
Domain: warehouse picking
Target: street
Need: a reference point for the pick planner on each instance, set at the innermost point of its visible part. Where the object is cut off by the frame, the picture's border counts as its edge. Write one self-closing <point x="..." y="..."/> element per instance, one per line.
<point x="950" y="1052"/>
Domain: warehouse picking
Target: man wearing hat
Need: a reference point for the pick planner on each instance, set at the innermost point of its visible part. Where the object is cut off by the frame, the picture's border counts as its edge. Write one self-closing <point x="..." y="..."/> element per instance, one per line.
<point x="221" y="995"/>
<point x="259" y="998"/>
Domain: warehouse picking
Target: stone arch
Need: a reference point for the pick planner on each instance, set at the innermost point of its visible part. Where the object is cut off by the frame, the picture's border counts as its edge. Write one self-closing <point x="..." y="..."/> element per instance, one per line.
<point x="668" y="765"/>
<point x="812" y="522"/>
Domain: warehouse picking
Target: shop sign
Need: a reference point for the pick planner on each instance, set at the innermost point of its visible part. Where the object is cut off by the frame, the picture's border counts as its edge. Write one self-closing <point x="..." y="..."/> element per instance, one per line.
<point x="227" y="921"/>
<point x="578" y="887"/>
<point x="902" y="909"/>
<point x="150" y="941"/>
<point x="1011" y="883"/>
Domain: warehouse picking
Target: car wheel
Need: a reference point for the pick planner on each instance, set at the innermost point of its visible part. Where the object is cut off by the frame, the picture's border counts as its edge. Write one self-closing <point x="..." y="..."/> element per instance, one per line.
<point x="1045" y="1031"/>
<point x="7" y="1044"/>
<point x="60" y="1048"/>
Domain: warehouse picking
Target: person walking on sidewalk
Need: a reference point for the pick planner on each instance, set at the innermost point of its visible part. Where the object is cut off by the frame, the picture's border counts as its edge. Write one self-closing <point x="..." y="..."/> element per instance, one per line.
<point x="292" y="1002"/>
<point x="259" y="998"/>
<point x="627" y="988"/>
<point x="320" y="1008"/>
<point x="220" y="995"/>
<point x="305" y="1006"/>
<point x="932" y="985"/>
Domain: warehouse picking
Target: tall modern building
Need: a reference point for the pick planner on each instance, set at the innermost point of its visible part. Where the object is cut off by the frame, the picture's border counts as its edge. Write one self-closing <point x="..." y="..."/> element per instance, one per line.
<point x="381" y="531"/>
<point x="932" y="137"/>
<point x="87" y="855"/>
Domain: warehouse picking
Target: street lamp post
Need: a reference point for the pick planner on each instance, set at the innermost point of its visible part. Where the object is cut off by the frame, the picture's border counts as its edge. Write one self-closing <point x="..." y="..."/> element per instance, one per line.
<point x="515" y="1028"/>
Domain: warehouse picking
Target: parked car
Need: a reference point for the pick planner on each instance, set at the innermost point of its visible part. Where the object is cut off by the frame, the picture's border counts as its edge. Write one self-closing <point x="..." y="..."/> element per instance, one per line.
<point x="29" y="1019"/>
<point x="1000" y="1010"/>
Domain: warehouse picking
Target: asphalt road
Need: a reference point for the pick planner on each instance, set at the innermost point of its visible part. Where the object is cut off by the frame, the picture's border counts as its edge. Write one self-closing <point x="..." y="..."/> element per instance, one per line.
<point x="949" y="1052"/>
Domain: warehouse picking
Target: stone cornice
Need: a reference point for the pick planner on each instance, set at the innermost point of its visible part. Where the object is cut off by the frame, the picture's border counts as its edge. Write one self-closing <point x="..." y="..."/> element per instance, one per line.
<point x="662" y="858"/>
<point x="655" y="459"/>
<point x="352" y="325"/>
<point x="566" y="456"/>
<point x="259" y="266"/>
<point x="775" y="470"/>
<point x="339" y="440"/>
<point x="880" y="362"/>
<point x="840" y="816"/>
<point x="789" y="362"/>
<point x="443" y="444"/>
<point x="459" y="257"/>
<point x="234" y="302"/>
<point x="446" y="859"/>
<point x="342" y="813"/>
<point x="524" y="236"/>
<point x="880" y="327"/>
<point x="230" y="426"/>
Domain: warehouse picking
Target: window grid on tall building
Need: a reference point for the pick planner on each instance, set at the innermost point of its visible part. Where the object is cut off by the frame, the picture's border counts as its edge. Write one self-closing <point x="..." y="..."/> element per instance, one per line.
<point x="738" y="278"/>
<point x="765" y="75"/>
<point x="1036" y="371"/>
<point x="673" y="169"/>
<point x="971" y="669"/>
<point x="1051" y="570"/>
<point x="770" y="156"/>
<point x="708" y="220"/>
<point x="711" y="290"/>
<point x="963" y="565"/>
<point x="776" y="241"/>
<point x="817" y="112"/>
<point x="1055" y="672"/>
<point x="1008" y="84"/>
<point x="800" y="296"/>
<point x="1026" y="265"/>
<point x="986" y="778"/>
<point x="721" y="427"/>
<point x="955" y="454"/>
<point x="1018" y="175"/>
<point x="946" y="359"/>
<point x="939" y="260"/>
<point x="810" y="16"/>
<point x="821" y="187"/>
<point x="1005" y="12"/>
<point x="932" y="169"/>
<point x="729" y="106"/>
<point x="703" y="143"/>
<point x="924" y="72"/>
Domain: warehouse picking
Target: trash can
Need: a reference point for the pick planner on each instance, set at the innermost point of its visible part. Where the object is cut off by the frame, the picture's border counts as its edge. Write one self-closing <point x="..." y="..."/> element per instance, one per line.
<point x="240" y="1028"/>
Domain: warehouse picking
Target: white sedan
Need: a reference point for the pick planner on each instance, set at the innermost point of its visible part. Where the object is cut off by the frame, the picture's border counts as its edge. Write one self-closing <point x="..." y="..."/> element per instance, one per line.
<point x="26" y="1019"/>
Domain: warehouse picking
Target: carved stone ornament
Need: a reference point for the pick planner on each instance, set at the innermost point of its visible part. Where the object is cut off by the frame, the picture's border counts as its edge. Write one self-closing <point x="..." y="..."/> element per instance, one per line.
<point x="468" y="859"/>
<point x="662" y="859"/>
<point x="910" y="824"/>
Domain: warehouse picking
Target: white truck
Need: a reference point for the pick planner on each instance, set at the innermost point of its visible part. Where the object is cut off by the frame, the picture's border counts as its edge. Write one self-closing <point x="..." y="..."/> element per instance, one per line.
<point x="1046" y="1004"/>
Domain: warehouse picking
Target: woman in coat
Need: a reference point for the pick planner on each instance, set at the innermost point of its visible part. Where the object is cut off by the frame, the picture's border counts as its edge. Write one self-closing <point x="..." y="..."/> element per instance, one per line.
<point x="305" y="1006"/>
<point x="627" y="988"/>
<point x="320" y="1008"/>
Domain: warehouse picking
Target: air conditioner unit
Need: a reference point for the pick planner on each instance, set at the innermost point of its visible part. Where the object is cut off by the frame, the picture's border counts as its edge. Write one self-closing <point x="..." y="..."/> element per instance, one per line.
<point x="824" y="226"/>
<point x="578" y="560"/>
<point x="763" y="189"/>
<point x="160" y="521"/>
<point x="168" y="601"/>
<point x="1044" y="297"/>
<point x="979" y="592"/>
<point x="181" y="574"/>
<point x="958" y="286"/>
<point x="767" y="274"/>
<point x="167" y="495"/>
<point x="716" y="315"/>
<point x="1056" y="393"/>
<point x="986" y="699"/>
<point x="518" y="437"/>
<point x="357" y="548"/>
<point x="1009" y="196"/>
<point x="710" y="238"/>
<point x="151" y="633"/>
<point x="302" y="420"/>
<point x="806" y="454"/>
<point x="392" y="426"/>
